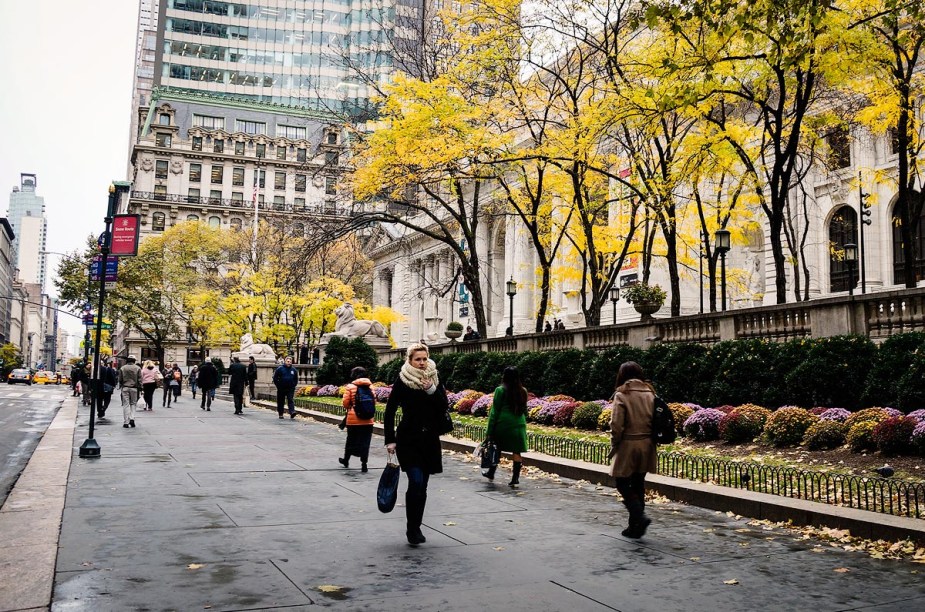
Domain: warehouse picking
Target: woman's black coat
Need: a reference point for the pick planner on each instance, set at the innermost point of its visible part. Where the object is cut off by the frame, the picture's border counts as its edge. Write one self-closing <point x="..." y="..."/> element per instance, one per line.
<point x="416" y="438"/>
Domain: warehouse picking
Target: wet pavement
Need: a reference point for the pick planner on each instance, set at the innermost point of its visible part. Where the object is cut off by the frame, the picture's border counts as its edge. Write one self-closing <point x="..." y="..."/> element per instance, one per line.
<point x="194" y="510"/>
<point x="25" y="412"/>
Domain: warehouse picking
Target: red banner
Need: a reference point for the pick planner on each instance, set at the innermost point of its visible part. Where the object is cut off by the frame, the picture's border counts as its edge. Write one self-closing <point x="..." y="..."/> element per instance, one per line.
<point x="125" y="235"/>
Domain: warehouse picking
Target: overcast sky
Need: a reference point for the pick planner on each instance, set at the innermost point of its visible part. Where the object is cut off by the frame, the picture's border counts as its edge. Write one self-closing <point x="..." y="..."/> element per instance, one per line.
<point x="65" y="92"/>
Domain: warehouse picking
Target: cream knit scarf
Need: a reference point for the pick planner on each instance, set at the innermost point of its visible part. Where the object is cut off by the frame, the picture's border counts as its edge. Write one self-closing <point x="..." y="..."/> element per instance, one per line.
<point x="412" y="376"/>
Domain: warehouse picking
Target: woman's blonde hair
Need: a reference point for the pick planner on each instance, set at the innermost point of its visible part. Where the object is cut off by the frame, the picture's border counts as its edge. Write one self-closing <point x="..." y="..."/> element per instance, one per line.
<point x="148" y="363"/>
<point x="414" y="348"/>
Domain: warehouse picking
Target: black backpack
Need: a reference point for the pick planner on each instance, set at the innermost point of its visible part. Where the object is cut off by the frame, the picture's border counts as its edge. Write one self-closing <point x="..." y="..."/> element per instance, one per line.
<point x="663" y="429"/>
<point x="364" y="405"/>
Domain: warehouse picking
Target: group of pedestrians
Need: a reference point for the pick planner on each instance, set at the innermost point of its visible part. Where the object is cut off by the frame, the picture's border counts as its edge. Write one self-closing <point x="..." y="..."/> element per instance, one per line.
<point x="422" y="398"/>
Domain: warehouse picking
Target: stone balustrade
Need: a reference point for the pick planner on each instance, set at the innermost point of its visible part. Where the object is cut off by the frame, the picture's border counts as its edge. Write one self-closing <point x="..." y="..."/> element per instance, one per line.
<point x="876" y="315"/>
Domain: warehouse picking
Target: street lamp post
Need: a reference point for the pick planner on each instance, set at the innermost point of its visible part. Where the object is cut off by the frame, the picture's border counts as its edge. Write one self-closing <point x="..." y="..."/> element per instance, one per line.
<point x="851" y="258"/>
<point x="722" y="245"/>
<point x="614" y="298"/>
<point x="864" y="217"/>
<point x="511" y="292"/>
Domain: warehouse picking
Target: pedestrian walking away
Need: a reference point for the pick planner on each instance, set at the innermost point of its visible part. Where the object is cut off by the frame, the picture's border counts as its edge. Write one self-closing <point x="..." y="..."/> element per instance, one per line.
<point x="251" y="377"/>
<point x="167" y="379"/>
<point x="149" y="381"/>
<point x="208" y="381"/>
<point x="130" y="381"/>
<point x="176" y="381"/>
<point x="193" y="375"/>
<point x="86" y="384"/>
<point x="507" y="422"/>
<point x="237" y="382"/>
<point x="422" y="399"/>
<point x="109" y="379"/>
<point x="360" y="405"/>
<point x="285" y="378"/>
<point x="633" y="448"/>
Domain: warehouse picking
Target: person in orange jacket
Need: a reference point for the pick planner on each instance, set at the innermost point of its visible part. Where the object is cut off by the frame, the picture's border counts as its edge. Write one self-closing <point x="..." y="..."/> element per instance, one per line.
<point x="359" y="425"/>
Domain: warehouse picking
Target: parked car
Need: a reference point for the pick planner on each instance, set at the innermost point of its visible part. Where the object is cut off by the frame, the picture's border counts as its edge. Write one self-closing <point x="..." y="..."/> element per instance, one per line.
<point x="44" y="377"/>
<point x="19" y="375"/>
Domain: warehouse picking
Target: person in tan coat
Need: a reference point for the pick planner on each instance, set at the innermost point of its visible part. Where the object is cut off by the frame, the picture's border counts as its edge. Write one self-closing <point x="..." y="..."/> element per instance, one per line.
<point x="633" y="449"/>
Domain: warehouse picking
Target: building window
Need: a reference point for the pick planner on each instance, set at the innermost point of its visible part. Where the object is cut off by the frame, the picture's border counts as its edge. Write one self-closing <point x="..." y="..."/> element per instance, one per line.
<point x="299" y="205"/>
<point x="163" y="119"/>
<point x="839" y="149"/>
<point x="330" y="186"/>
<point x="239" y="148"/>
<point x="237" y="198"/>
<point x="209" y="123"/>
<point x="197" y="143"/>
<point x="215" y="196"/>
<point x="236" y="224"/>
<point x="301" y="155"/>
<point x="160" y="192"/>
<point x="261" y="150"/>
<point x="279" y="180"/>
<point x="251" y="127"/>
<point x="237" y="177"/>
<point x="192" y="217"/>
<point x="892" y="135"/>
<point x="218" y="174"/>
<point x="332" y="138"/>
<point x="843" y="229"/>
<point x="290" y="131"/>
<point x="157" y="221"/>
<point x="280" y="152"/>
<point x="279" y="203"/>
<point x="215" y="222"/>
<point x="262" y="182"/>
<point x="301" y="182"/>
<point x="218" y="146"/>
<point x="260" y="200"/>
<point x="331" y="158"/>
<point x="162" y="139"/>
<point x="195" y="173"/>
<point x="193" y="195"/>
<point x="918" y="247"/>
<point x="160" y="169"/>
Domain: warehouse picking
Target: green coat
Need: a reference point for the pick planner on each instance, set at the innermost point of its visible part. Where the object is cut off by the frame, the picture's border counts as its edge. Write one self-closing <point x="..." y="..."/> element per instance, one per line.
<point x="508" y="429"/>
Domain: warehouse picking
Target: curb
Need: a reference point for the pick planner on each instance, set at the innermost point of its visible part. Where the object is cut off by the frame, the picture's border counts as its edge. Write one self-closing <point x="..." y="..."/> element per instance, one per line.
<point x="762" y="506"/>
<point x="30" y="520"/>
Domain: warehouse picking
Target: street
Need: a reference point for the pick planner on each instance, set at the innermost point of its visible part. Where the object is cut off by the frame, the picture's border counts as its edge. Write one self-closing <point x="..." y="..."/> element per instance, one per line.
<point x="25" y="412"/>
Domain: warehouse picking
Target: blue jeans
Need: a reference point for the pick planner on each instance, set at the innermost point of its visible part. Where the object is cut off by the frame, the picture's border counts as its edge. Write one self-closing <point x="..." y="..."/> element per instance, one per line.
<point x="417" y="481"/>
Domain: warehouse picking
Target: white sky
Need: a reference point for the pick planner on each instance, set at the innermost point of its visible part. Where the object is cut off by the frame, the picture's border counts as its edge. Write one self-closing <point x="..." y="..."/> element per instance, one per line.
<point x="66" y="73"/>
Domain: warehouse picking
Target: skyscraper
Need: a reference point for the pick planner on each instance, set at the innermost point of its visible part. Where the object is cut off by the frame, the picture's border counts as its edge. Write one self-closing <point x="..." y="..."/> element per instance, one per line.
<point x="27" y="219"/>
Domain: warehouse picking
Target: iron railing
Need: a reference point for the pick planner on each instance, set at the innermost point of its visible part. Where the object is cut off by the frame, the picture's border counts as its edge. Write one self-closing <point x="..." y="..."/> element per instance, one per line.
<point x="875" y="494"/>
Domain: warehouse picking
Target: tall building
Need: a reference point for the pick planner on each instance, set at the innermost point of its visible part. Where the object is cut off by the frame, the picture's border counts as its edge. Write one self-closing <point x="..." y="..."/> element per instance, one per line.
<point x="7" y="274"/>
<point x="145" y="47"/>
<point x="27" y="220"/>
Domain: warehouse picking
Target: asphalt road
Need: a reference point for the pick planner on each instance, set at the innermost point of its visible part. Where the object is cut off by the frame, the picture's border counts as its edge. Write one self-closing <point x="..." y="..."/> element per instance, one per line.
<point x="25" y="412"/>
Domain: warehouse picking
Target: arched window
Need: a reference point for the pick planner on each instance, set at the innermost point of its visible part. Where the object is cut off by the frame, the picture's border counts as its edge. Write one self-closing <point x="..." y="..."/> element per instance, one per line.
<point x="918" y="247"/>
<point x="843" y="229"/>
<point x="158" y="220"/>
<point x="236" y="224"/>
<point x="192" y="217"/>
<point x="215" y="222"/>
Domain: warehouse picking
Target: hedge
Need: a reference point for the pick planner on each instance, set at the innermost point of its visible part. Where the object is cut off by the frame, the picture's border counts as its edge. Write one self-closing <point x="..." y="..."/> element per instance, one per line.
<point x="841" y="371"/>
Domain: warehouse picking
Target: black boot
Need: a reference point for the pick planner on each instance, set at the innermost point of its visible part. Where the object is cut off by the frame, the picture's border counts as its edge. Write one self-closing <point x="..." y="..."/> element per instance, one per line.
<point x="491" y="472"/>
<point x="345" y="461"/>
<point x="515" y="480"/>
<point x="414" y="511"/>
<point x="639" y="522"/>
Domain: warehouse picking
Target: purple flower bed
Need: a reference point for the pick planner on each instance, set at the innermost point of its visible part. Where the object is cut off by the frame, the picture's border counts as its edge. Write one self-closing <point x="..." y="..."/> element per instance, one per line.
<point x="918" y="415"/>
<point x="918" y="437"/>
<point x="602" y="403"/>
<point x="835" y="414"/>
<point x="482" y="405"/>
<point x="535" y="403"/>
<point x="704" y="424"/>
<point x="382" y="393"/>
<point x="548" y="411"/>
<point x="452" y="398"/>
<point x="328" y="391"/>
<point x="893" y="412"/>
<point x="694" y="407"/>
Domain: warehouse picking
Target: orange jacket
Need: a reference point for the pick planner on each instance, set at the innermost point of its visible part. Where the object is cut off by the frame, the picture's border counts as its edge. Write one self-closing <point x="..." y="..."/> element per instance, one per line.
<point x="350" y="395"/>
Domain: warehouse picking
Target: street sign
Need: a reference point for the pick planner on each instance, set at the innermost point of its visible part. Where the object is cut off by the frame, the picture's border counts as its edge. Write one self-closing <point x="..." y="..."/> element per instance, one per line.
<point x="88" y="319"/>
<point x="104" y="240"/>
<point x="110" y="285"/>
<point x="125" y="235"/>
<point x="112" y="269"/>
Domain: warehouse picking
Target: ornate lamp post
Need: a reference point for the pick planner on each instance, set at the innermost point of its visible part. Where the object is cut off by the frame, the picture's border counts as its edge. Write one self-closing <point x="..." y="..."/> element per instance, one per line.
<point x="851" y="258"/>
<point x="614" y="298"/>
<point x="511" y="292"/>
<point x="722" y="244"/>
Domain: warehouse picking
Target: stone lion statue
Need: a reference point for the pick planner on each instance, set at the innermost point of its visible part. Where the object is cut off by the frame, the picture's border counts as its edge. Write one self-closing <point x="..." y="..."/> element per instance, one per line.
<point x="257" y="351"/>
<point x="348" y="325"/>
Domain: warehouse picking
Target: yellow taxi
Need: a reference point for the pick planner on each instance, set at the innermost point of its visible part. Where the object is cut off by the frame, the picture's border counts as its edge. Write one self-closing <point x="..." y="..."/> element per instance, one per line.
<point x="65" y="379"/>
<point x="44" y="377"/>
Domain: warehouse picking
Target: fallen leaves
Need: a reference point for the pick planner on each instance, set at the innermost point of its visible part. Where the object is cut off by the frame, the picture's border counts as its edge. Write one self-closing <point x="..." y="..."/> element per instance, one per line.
<point x="330" y="588"/>
<point x="732" y="581"/>
<point x="841" y="570"/>
<point x="195" y="566"/>
<point x="449" y="524"/>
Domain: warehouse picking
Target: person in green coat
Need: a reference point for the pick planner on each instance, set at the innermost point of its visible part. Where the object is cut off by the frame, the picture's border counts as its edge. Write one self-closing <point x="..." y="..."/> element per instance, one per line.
<point x="507" y="422"/>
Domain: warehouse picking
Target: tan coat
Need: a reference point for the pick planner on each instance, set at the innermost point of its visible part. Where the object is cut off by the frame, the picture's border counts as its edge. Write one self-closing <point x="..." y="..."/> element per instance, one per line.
<point x="631" y="430"/>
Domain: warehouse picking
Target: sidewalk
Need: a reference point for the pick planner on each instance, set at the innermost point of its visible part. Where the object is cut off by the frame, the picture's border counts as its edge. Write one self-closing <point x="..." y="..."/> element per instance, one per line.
<point x="194" y="510"/>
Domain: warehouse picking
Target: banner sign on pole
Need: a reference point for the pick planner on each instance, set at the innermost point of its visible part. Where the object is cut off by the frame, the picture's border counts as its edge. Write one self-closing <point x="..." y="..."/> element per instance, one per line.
<point x="112" y="269"/>
<point x="125" y="230"/>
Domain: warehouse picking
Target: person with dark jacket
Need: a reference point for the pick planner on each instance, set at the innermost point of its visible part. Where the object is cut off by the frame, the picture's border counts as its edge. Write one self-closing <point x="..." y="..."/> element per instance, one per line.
<point x="507" y="422"/>
<point x="193" y="375"/>
<point x="207" y="380"/>
<point x="285" y="378"/>
<point x="251" y="377"/>
<point x="422" y="398"/>
<point x="109" y="378"/>
<point x="237" y="382"/>
<point x="359" y="431"/>
<point x="631" y="438"/>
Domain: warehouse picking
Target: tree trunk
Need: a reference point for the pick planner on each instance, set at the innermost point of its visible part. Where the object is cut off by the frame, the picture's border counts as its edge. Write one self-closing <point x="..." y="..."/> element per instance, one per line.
<point x="544" y="297"/>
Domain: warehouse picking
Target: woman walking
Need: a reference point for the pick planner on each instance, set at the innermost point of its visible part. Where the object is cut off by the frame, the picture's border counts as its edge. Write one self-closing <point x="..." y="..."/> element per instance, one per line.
<point x="359" y="430"/>
<point x="193" y="375"/>
<point x="422" y="398"/>
<point x="149" y="378"/>
<point x="507" y="423"/>
<point x="631" y="440"/>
